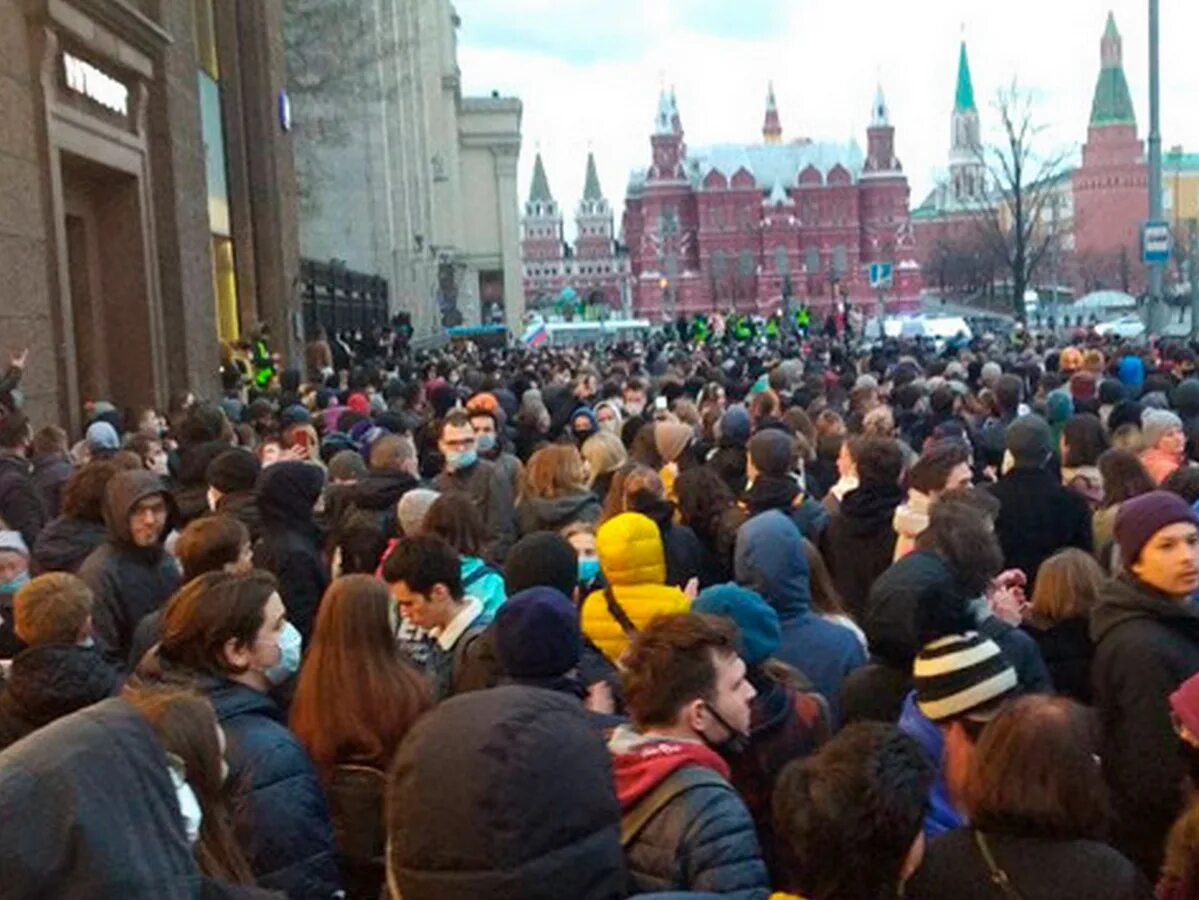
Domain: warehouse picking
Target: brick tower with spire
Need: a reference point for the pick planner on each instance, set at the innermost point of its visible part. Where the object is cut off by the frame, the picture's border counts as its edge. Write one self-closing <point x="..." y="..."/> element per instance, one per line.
<point x="598" y="270"/>
<point x="884" y="193"/>
<point x="1111" y="187"/>
<point x="542" y="246"/>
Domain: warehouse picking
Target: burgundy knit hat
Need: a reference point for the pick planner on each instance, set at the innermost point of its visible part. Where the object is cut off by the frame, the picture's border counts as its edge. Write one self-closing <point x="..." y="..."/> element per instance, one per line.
<point x="1185" y="704"/>
<point x="1140" y="518"/>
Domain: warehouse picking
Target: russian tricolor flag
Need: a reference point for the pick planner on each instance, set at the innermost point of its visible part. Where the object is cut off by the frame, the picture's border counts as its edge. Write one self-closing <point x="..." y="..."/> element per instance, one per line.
<point x="536" y="335"/>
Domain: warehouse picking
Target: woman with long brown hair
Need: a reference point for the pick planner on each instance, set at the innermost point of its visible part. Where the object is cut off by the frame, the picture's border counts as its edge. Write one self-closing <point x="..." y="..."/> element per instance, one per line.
<point x="1124" y="477"/>
<point x="1066" y="590"/>
<point x="355" y="702"/>
<point x="187" y="728"/>
<point x="555" y="491"/>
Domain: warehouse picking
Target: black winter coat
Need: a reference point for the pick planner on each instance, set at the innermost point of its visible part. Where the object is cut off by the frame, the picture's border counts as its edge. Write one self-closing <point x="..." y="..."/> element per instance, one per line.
<point x="554" y="514"/>
<point x="242" y="506"/>
<point x="1146" y="645"/>
<point x="290" y="547"/>
<point x="380" y="493"/>
<point x="48" y="682"/>
<point x="505" y="794"/>
<point x="356" y="807"/>
<point x="785" y="495"/>
<point x="1038" y="869"/>
<point x="859" y="541"/>
<point x="1037" y="518"/>
<point x="50" y="474"/>
<point x="492" y="494"/>
<point x="1068" y="651"/>
<point x="129" y="582"/>
<point x="287" y="835"/>
<point x="65" y="543"/>
<point x="21" y="507"/>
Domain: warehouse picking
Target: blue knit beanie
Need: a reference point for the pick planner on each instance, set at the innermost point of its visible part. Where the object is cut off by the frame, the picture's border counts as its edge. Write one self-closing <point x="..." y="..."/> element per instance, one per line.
<point x="537" y="634"/>
<point x="753" y="616"/>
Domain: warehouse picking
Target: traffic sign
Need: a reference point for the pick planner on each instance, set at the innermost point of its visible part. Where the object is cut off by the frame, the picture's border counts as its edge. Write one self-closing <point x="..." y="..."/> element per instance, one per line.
<point x="1155" y="242"/>
<point x="880" y="275"/>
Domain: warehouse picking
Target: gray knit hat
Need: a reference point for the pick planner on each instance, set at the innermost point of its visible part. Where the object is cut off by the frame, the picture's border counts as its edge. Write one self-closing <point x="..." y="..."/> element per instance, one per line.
<point x="412" y="509"/>
<point x="1029" y="440"/>
<point x="1157" y="423"/>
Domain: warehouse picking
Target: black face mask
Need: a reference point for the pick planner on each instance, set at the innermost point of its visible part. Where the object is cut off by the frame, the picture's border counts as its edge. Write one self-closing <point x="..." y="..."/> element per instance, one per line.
<point x="732" y="745"/>
<point x="581" y="436"/>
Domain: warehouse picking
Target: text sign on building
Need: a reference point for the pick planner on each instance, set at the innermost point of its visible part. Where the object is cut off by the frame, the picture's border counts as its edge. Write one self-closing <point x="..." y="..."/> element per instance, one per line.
<point x="84" y="78"/>
<point x="1155" y="242"/>
<point x="880" y="275"/>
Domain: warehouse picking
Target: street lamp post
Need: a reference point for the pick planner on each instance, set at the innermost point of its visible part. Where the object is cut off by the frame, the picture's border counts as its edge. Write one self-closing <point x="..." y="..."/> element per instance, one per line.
<point x="1155" y="161"/>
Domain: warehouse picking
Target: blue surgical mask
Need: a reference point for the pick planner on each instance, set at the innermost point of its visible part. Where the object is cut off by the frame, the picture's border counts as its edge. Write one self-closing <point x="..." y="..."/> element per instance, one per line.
<point x="457" y="460"/>
<point x="589" y="570"/>
<point x="485" y="442"/>
<point x="14" y="584"/>
<point x="290" y="645"/>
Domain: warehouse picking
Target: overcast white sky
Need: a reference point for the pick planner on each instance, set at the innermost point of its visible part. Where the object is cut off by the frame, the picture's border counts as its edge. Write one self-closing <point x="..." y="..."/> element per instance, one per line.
<point x="588" y="72"/>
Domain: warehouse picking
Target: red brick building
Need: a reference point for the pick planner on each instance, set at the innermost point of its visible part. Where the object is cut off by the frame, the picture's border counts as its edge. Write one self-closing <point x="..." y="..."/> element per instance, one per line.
<point x="595" y="267"/>
<point x="753" y="226"/>
<point x="1111" y="187"/>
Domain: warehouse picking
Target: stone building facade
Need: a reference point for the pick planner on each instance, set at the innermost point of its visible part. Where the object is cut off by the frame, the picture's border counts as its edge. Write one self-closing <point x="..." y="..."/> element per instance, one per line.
<point x="146" y="194"/>
<point x="403" y="176"/>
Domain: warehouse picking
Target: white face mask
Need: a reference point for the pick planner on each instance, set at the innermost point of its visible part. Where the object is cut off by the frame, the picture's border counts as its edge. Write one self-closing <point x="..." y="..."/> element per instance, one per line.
<point x="189" y="806"/>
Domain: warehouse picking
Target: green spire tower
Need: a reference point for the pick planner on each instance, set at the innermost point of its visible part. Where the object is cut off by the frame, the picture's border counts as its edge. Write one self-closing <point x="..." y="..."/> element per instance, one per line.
<point x="1112" y="104"/>
<point x="591" y="187"/>
<point x="963" y="98"/>
<point x="540" y="190"/>
<point x="967" y="178"/>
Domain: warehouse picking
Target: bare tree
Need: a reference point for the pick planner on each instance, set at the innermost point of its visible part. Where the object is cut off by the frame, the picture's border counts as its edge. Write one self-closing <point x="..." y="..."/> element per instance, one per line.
<point x="1023" y="176"/>
<point x="341" y="57"/>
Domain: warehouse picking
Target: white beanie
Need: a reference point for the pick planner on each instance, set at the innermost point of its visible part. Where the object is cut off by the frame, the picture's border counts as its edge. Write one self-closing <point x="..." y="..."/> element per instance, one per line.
<point x="12" y="540"/>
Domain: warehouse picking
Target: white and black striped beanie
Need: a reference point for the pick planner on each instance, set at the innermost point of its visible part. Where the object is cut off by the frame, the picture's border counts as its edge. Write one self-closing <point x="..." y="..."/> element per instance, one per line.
<point x="961" y="674"/>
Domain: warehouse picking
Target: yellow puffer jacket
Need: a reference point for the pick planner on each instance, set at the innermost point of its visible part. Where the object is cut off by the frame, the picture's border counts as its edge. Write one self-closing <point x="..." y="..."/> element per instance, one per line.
<point x="634" y="564"/>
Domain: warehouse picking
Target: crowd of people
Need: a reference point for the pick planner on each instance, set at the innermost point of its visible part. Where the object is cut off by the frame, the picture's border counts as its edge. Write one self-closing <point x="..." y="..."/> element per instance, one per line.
<point x="778" y="616"/>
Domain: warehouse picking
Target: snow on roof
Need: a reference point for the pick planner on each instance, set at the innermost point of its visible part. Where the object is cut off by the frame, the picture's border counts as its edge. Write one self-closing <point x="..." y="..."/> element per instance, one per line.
<point x="771" y="163"/>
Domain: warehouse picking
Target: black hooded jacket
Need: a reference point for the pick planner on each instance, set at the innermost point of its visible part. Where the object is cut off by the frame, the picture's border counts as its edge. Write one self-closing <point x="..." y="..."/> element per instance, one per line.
<point x="129" y="582"/>
<point x="555" y="513"/>
<point x="1146" y="645"/>
<point x="859" y="541"/>
<point x="191" y="492"/>
<point x="48" y="682"/>
<point x="21" y="506"/>
<point x="784" y="494"/>
<point x="290" y="547"/>
<point x="379" y="493"/>
<point x="65" y="543"/>
<point x="505" y="794"/>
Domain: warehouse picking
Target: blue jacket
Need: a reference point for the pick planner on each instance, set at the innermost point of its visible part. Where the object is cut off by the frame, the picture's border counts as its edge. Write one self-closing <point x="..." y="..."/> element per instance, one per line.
<point x="290" y="844"/>
<point x="770" y="559"/>
<point x="941" y="816"/>
<point x="485" y="583"/>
